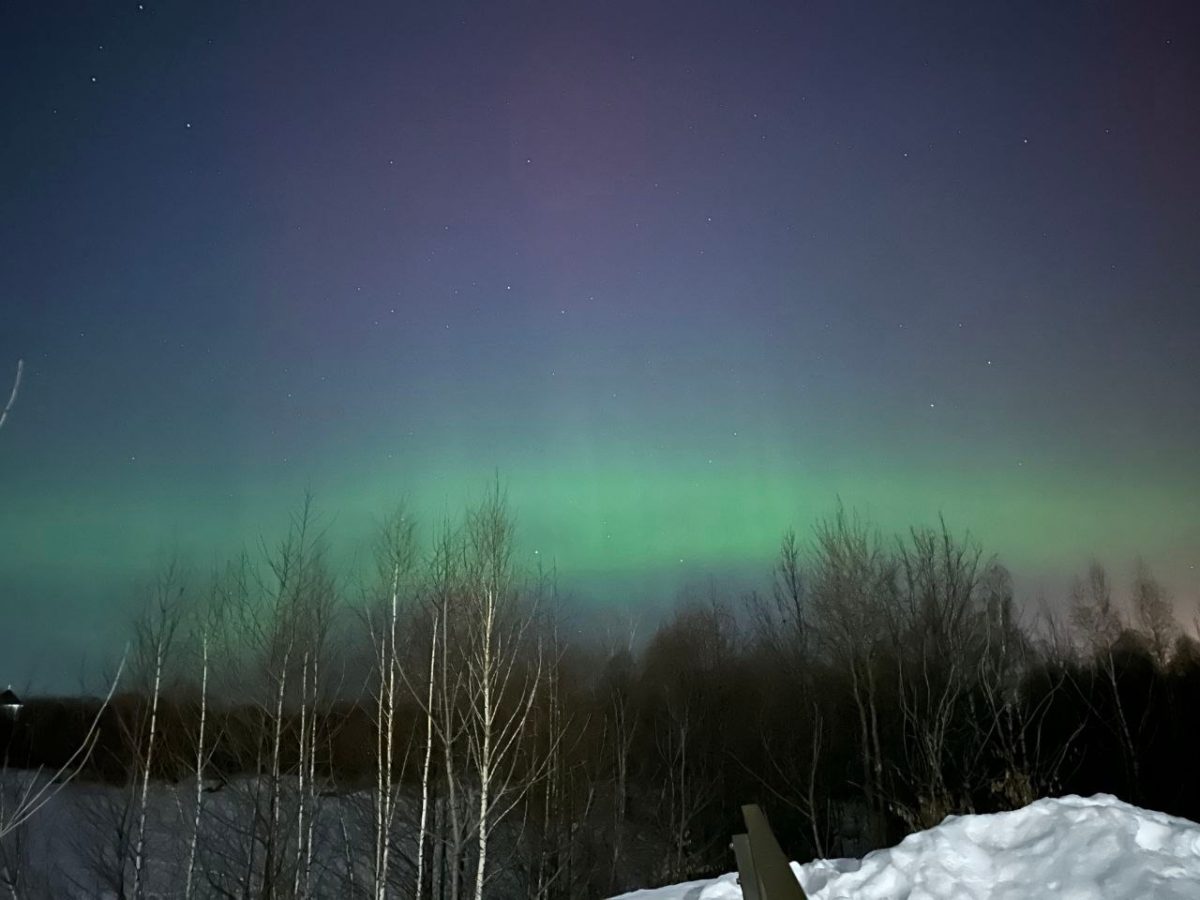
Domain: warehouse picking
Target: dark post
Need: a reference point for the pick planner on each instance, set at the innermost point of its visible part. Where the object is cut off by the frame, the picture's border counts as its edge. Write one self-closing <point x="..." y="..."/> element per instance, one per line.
<point x="772" y="877"/>
<point x="745" y="864"/>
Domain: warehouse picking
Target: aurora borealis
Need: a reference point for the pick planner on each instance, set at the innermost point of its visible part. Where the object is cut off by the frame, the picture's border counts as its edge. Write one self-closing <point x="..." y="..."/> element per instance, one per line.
<point x="684" y="274"/>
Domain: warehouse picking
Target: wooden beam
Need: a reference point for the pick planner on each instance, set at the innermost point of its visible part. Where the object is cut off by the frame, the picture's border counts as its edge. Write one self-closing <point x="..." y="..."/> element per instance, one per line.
<point x="774" y="877"/>
<point x="747" y="877"/>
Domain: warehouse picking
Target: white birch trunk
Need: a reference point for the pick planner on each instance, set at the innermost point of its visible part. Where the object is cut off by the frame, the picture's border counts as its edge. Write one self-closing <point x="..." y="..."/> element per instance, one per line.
<point x="485" y="749"/>
<point x="301" y="774"/>
<point x="199" y="798"/>
<point x="428" y="758"/>
<point x="140" y="845"/>
<point x="312" y="782"/>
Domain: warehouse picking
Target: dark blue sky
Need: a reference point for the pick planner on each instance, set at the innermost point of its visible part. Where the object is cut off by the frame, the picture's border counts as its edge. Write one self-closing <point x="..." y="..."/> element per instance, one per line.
<point x="684" y="273"/>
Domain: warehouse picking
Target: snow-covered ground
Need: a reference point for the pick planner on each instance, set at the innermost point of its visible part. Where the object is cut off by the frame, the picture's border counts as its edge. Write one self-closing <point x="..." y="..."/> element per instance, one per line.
<point x="79" y="845"/>
<point x="1075" y="848"/>
<point x="69" y="849"/>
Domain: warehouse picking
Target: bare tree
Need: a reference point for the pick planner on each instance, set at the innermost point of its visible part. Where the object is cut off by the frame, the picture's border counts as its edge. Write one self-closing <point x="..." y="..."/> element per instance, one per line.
<point x="395" y="558"/>
<point x="483" y="671"/>
<point x="41" y="788"/>
<point x="561" y="794"/>
<point x="445" y="712"/>
<point x="155" y="635"/>
<point x="852" y="588"/>
<point x="201" y="762"/>
<point x="684" y="669"/>
<point x="501" y="689"/>
<point x="277" y="620"/>
<point x="1153" y="613"/>
<point x="1014" y="718"/>
<point x="1099" y="620"/>
<point x="21" y="802"/>
<point x="13" y="856"/>
<point x="423" y="828"/>
<point x="939" y="631"/>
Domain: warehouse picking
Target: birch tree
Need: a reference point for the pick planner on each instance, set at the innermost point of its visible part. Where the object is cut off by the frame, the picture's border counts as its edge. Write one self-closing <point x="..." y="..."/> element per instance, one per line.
<point x="396" y="560"/>
<point x="155" y="635"/>
<point x="201" y="760"/>
<point x="502" y="680"/>
<point x="278" y="621"/>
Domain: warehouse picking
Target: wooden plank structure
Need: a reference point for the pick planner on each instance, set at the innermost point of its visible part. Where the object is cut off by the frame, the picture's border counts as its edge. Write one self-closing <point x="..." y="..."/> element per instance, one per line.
<point x="763" y="869"/>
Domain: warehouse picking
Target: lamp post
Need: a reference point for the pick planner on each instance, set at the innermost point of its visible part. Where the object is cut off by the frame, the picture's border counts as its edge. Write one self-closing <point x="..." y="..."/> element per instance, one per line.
<point x="10" y="703"/>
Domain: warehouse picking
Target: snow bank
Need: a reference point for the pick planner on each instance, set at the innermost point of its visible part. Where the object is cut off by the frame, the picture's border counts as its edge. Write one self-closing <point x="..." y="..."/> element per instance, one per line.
<point x="1076" y="848"/>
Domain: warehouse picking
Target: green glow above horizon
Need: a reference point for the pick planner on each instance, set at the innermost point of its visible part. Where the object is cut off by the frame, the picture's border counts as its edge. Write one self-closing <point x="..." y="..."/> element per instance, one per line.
<point x="619" y="520"/>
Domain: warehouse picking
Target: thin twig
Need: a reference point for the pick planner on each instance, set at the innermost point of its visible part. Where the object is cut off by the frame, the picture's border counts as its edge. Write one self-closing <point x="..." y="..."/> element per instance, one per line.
<point x="12" y="397"/>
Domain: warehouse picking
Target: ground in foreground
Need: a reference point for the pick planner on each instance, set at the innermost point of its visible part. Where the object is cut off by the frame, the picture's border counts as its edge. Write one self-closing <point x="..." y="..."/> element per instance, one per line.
<point x="1083" y="848"/>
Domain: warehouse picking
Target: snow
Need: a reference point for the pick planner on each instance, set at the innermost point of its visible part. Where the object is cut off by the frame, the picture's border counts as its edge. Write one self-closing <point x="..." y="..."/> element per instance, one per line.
<point x="1075" y="848"/>
<point x="67" y="850"/>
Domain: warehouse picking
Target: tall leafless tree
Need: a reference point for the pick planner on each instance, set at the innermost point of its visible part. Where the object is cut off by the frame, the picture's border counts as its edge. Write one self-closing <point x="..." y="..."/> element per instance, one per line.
<point x="1099" y="620"/>
<point x="501" y="680"/>
<point x="852" y="588"/>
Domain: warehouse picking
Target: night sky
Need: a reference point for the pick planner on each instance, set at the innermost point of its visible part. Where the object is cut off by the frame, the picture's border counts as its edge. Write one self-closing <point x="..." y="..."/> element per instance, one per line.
<point x="683" y="274"/>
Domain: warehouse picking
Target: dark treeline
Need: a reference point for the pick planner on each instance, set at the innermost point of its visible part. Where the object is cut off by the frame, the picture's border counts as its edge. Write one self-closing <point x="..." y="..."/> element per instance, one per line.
<point x="443" y="729"/>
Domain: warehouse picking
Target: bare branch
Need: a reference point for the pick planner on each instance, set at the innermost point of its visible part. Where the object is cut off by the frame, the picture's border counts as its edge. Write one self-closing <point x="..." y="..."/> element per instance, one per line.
<point x="12" y="397"/>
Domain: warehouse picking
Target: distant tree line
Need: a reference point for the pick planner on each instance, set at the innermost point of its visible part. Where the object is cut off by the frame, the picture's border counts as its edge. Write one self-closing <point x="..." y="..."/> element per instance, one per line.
<point x="441" y="729"/>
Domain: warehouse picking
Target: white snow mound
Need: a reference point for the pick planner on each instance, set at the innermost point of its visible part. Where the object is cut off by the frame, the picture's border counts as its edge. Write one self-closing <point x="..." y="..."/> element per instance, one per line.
<point x="1074" y="848"/>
